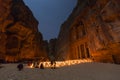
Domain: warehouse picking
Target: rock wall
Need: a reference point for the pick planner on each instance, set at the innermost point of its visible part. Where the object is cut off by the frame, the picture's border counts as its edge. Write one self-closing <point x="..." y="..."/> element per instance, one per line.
<point x="52" y="48"/>
<point x="104" y="31"/>
<point x="94" y="31"/>
<point x="19" y="35"/>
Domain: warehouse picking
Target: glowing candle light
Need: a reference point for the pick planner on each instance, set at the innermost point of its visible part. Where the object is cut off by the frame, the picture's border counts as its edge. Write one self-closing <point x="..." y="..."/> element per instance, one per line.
<point x="63" y="63"/>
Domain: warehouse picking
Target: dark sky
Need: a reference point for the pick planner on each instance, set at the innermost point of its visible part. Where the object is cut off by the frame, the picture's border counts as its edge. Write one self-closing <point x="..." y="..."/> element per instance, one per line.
<point x="50" y="14"/>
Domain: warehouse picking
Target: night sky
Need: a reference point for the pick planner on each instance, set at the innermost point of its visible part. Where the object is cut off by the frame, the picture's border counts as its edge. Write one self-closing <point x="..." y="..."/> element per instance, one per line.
<point x="50" y="14"/>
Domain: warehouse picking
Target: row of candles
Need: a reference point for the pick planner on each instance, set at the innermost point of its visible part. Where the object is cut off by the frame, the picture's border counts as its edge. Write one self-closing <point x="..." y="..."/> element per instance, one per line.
<point x="47" y="64"/>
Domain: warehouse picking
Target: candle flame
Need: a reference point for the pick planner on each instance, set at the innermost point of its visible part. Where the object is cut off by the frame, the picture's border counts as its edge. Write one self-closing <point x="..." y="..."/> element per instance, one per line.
<point x="47" y="64"/>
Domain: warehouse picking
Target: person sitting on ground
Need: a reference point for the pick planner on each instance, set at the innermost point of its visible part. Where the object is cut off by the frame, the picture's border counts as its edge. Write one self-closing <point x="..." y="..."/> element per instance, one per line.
<point x="41" y="66"/>
<point x="20" y="66"/>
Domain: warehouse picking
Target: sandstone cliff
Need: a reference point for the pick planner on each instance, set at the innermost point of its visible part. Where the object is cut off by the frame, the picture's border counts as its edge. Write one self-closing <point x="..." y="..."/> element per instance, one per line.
<point x="104" y="37"/>
<point x="19" y="35"/>
<point x="94" y="31"/>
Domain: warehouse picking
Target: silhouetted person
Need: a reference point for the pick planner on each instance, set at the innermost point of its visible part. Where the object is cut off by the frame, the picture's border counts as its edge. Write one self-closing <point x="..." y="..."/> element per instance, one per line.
<point x="53" y="64"/>
<point x="20" y="66"/>
<point x="41" y="66"/>
<point x="114" y="59"/>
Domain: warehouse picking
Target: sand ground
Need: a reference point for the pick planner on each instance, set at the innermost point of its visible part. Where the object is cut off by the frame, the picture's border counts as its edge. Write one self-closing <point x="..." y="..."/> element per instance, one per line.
<point x="84" y="71"/>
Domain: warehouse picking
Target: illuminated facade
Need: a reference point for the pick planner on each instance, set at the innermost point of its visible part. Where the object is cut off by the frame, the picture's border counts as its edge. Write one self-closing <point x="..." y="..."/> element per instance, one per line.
<point x="79" y="42"/>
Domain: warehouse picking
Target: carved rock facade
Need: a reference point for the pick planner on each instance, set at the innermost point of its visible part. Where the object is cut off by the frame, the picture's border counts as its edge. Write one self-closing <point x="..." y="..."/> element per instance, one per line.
<point x="19" y="35"/>
<point x="92" y="31"/>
